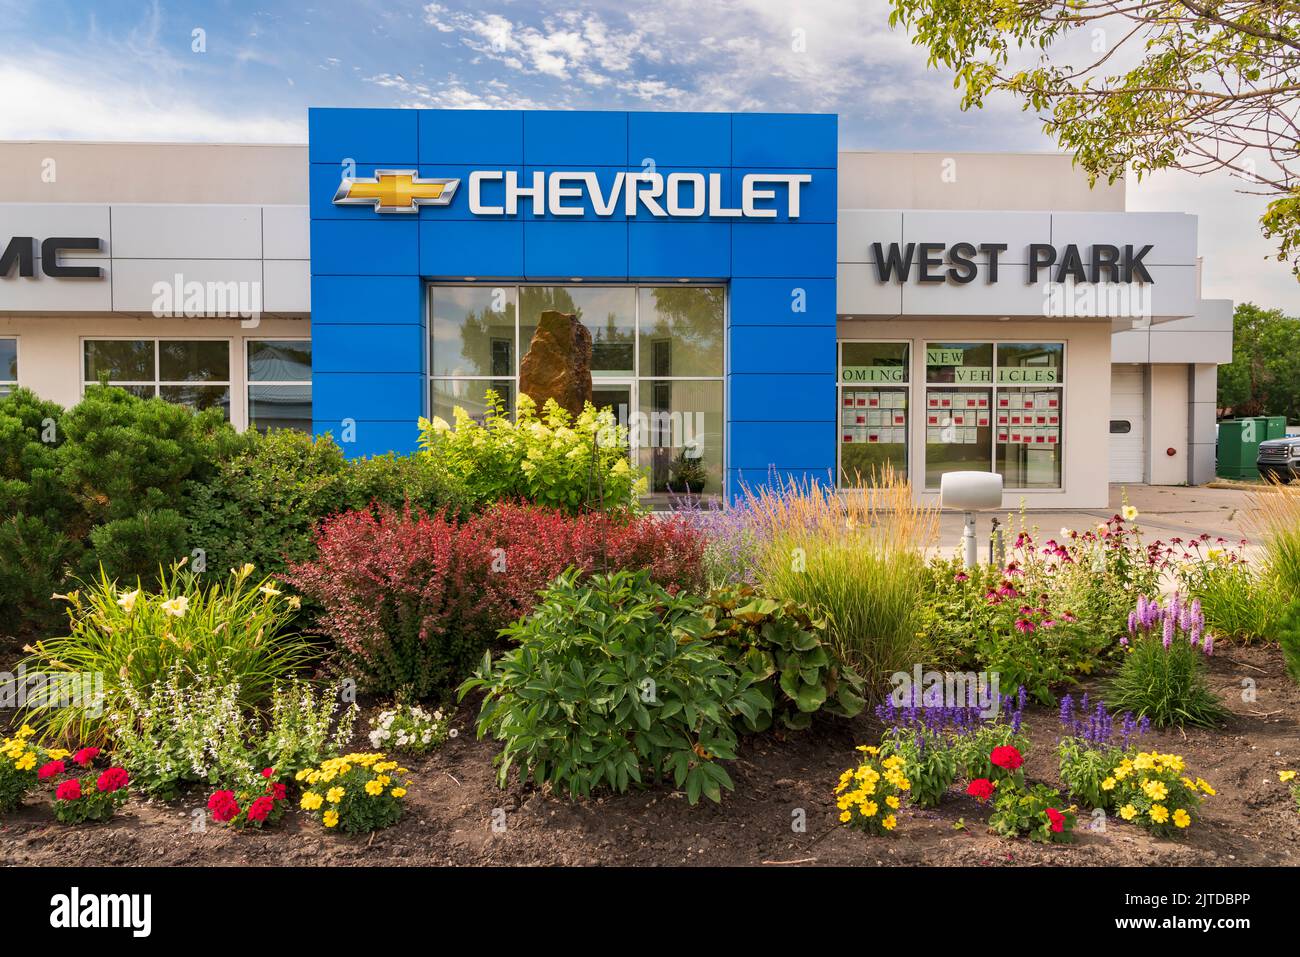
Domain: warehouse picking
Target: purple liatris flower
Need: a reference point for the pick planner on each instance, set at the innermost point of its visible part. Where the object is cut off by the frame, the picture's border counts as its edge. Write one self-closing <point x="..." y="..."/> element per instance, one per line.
<point x="1168" y="638"/>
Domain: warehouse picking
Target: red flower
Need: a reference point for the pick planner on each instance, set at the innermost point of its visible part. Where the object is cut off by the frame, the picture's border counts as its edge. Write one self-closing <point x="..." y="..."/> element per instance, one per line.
<point x="260" y="808"/>
<point x="981" y="789"/>
<point x="85" y="756"/>
<point x="112" y="780"/>
<point x="1005" y="756"/>
<point x="268" y="772"/>
<point x="1057" y="819"/>
<point x="223" y="806"/>
<point x="50" y="770"/>
<point x="277" y="791"/>
<point x="68" y="790"/>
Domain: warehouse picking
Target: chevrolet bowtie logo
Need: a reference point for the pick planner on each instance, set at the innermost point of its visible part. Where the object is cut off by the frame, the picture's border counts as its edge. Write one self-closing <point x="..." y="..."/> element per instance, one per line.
<point x="395" y="191"/>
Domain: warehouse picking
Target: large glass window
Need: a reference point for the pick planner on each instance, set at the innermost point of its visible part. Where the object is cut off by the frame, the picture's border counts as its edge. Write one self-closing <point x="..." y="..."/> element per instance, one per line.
<point x="192" y="372"/>
<point x="608" y="312"/>
<point x="1011" y="424"/>
<point x="8" y="366"/>
<point x="279" y="384"/>
<point x="1029" y="414"/>
<point x="657" y="360"/>
<point x="873" y="403"/>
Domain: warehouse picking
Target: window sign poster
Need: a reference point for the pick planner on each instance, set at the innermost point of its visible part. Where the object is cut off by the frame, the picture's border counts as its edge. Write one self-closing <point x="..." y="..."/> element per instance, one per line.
<point x="959" y="363"/>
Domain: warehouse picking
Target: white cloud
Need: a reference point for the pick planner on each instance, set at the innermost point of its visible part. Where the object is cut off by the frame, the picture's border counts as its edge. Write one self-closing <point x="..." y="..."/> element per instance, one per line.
<point x="45" y="100"/>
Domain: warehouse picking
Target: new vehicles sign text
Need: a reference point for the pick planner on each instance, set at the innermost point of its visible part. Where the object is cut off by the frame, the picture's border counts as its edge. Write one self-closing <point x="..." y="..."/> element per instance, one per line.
<point x="670" y="196"/>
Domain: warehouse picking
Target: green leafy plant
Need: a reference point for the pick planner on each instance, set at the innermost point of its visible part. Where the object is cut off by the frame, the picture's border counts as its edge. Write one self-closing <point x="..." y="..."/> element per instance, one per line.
<point x="549" y="459"/>
<point x="263" y="505"/>
<point x="784" y="649"/>
<point x="931" y="762"/>
<point x="614" y="682"/>
<point x="1035" y="811"/>
<point x="128" y="637"/>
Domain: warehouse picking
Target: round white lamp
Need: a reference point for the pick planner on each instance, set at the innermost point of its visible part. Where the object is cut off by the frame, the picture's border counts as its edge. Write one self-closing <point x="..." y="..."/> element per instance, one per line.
<point x="971" y="492"/>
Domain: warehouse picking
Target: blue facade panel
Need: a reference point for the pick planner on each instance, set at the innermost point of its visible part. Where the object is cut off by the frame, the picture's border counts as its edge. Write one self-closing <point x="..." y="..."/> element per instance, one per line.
<point x="783" y="302"/>
<point x="368" y="268"/>
<point x="457" y="249"/>
<point x="679" y="139"/>
<point x="679" y="250"/>
<point x="587" y="248"/>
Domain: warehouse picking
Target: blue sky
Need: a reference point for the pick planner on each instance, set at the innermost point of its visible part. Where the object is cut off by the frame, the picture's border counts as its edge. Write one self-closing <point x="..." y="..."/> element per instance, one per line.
<point x="128" y="69"/>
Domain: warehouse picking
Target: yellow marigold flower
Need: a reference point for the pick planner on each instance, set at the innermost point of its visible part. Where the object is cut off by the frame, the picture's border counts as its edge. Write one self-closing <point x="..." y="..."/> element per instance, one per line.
<point x="330" y="818"/>
<point x="1205" y="786"/>
<point x="384" y="780"/>
<point x="1128" y="812"/>
<point x="302" y="775"/>
<point x="26" y="731"/>
<point x="892" y="801"/>
<point x="57" y="754"/>
<point x="1285" y="776"/>
<point x="1182" y="818"/>
<point x="26" y="762"/>
<point x="1144" y="761"/>
<point x="1159" y="813"/>
<point x="374" y="788"/>
<point x="845" y="817"/>
<point x="889" y="822"/>
<point x="1188" y="783"/>
<point x="1108" y="784"/>
<point x="335" y="794"/>
<point x="310" y="801"/>
<point x="1155" y="790"/>
<point x="870" y="808"/>
<point x="398" y="792"/>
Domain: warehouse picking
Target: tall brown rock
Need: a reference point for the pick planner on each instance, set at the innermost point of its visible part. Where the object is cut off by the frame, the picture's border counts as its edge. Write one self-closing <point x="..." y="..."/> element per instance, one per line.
<point x="558" y="362"/>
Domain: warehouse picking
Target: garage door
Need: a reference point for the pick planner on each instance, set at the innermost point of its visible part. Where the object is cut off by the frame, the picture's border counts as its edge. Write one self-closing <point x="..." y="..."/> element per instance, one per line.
<point x="1127" y="423"/>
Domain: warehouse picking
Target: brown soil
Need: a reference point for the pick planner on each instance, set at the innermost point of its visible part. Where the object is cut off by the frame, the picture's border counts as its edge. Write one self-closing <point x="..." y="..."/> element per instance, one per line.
<point x="453" y="803"/>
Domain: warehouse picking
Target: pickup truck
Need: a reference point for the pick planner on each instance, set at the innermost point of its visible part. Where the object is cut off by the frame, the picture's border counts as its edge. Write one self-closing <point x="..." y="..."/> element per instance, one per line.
<point x="1279" y="459"/>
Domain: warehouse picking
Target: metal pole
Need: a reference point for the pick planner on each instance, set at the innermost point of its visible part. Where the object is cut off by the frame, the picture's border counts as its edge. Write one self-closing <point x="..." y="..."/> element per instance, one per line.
<point x="970" y="546"/>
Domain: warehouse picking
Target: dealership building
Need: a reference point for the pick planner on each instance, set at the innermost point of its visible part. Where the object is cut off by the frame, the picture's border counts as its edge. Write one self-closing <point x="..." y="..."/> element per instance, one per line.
<point x="759" y="302"/>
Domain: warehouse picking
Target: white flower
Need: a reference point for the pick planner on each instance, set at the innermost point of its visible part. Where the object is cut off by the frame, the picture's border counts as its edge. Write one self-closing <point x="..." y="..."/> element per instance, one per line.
<point x="176" y="607"/>
<point x="1065" y="533"/>
<point x="1129" y="513"/>
<point x="127" y="601"/>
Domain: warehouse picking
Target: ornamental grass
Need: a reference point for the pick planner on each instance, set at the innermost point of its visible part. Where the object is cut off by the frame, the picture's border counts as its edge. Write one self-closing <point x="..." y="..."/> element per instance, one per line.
<point x="1275" y="516"/>
<point x="858" y="557"/>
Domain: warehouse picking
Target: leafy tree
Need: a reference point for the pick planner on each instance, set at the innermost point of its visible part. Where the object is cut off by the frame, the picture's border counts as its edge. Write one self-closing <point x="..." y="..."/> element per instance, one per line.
<point x="1264" y="375"/>
<point x="1196" y="85"/>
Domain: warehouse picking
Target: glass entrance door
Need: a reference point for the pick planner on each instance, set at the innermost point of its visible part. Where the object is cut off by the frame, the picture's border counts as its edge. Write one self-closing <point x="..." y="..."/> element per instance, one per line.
<point x="617" y="396"/>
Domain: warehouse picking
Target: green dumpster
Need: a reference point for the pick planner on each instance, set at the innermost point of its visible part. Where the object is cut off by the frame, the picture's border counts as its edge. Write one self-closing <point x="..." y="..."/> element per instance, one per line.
<point x="1274" y="427"/>
<point x="1239" y="447"/>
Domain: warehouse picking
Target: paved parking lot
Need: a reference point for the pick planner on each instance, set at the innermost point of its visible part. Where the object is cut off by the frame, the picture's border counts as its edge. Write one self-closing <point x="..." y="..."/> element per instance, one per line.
<point x="1164" y="512"/>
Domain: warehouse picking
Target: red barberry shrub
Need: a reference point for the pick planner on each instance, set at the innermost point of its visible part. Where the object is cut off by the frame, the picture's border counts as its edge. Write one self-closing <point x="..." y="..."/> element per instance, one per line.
<point x="531" y="545"/>
<point x="403" y="595"/>
<point x="412" y="600"/>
